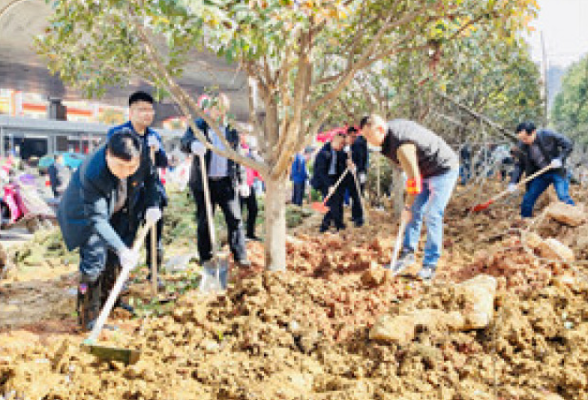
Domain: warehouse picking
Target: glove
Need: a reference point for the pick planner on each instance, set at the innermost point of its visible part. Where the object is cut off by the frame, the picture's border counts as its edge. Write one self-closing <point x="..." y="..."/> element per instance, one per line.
<point x="556" y="163"/>
<point x="244" y="190"/>
<point x="512" y="187"/>
<point x="152" y="215"/>
<point x="153" y="143"/>
<point x="198" y="148"/>
<point x="331" y="191"/>
<point x="128" y="258"/>
<point x="347" y="149"/>
<point x="362" y="177"/>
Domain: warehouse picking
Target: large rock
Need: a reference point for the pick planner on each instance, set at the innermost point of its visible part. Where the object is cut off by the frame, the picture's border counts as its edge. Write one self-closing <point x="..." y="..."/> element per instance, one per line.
<point x="477" y="295"/>
<point x="553" y="249"/>
<point x="567" y="214"/>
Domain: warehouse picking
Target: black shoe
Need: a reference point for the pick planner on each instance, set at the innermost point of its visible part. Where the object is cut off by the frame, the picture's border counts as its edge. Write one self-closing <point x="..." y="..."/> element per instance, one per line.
<point x="358" y="223"/>
<point x="125" y="306"/>
<point x="243" y="263"/>
<point x="341" y="227"/>
<point x="323" y="229"/>
<point x="252" y="238"/>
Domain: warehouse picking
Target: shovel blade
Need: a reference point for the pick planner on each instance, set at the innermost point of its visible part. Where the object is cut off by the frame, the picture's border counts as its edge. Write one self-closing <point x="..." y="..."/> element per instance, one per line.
<point x="105" y="353"/>
<point x="320" y="207"/>
<point x="482" y="206"/>
<point x="214" y="276"/>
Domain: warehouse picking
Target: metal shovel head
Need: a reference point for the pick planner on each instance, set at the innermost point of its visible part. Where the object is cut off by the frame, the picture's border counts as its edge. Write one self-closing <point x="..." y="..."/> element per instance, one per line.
<point x="215" y="274"/>
<point x="482" y="206"/>
<point x="320" y="207"/>
<point x="105" y="353"/>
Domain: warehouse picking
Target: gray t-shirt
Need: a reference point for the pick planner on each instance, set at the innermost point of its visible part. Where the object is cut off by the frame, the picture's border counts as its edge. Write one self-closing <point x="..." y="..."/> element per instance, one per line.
<point x="435" y="157"/>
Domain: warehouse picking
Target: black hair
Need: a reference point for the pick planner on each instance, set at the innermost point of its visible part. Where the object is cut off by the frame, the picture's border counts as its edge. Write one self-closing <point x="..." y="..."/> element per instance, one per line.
<point x="526" y="126"/>
<point x="351" y="129"/>
<point x="140" y="96"/>
<point x="124" y="145"/>
<point x="365" y="121"/>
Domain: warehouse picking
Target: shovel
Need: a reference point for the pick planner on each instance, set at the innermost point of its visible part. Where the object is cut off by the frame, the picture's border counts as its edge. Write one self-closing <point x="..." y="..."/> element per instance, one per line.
<point x="216" y="270"/>
<point x="322" y="206"/>
<point x="483" y="206"/>
<point x="397" y="248"/>
<point x="126" y="356"/>
<point x="358" y="188"/>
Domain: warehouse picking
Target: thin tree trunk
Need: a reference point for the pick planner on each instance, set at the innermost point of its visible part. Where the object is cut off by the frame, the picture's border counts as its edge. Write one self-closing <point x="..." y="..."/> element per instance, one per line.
<point x="275" y="223"/>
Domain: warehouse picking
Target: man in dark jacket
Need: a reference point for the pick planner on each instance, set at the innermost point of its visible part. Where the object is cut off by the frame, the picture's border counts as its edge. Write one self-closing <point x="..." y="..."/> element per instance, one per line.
<point x="226" y="181"/>
<point x="141" y="113"/>
<point x="59" y="175"/>
<point x="330" y="163"/>
<point x="357" y="153"/>
<point x="298" y="176"/>
<point x="432" y="168"/>
<point x="94" y="215"/>
<point x="537" y="150"/>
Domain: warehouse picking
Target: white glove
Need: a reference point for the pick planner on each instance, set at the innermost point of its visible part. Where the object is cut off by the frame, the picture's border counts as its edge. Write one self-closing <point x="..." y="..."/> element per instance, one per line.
<point x="362" y="178"/>
<point x="512" y="187"/>
<point x="347" y="149"/>
<point x="128" y="258"/>
<point x="244" y="190"/>
<point x="152" y="215"/>
<point x="198" y="148"/>
<point x="153" y="143"/>
<point x="556" y="163"/>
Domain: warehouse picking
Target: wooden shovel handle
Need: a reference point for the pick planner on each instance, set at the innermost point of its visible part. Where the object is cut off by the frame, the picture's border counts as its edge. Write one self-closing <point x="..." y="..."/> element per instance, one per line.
<point x="527" y="179"/>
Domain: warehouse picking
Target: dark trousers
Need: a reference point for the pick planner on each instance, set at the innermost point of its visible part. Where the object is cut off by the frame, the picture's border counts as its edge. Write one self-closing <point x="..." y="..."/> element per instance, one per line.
<point x="100" y="264"/>
<point x="351" y="188"/>
<point x="538" y="185"/>
<point x="252" y="209"/>
<point x="159" y="232"/>
<point x="335" y="204"/>
<point x="223" y="194"/>
<point x="298" y="193"/>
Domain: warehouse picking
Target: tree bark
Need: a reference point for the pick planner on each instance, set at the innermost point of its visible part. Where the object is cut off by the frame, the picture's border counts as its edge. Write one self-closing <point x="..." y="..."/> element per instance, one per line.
<point x="275" y="223"/>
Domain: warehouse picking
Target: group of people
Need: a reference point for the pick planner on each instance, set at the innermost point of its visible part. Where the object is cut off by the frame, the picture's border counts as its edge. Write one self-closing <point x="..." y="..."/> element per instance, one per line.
<point x="117" y="188"/>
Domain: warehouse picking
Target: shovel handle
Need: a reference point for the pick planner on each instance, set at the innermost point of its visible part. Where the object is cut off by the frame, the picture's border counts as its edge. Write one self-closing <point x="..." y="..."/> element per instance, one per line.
<point x="527" y="179"/>
<point x="120" y="280"/>
<point x="208" y="206"/>
<point x="397" y="244"/>
<point x="336" y="185"/>
<point x="153" y="243"/>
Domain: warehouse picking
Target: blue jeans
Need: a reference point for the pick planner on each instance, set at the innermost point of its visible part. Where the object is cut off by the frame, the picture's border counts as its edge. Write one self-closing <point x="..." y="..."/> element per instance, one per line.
<point x="538" y="185"/>
<point x="430" y="203"/>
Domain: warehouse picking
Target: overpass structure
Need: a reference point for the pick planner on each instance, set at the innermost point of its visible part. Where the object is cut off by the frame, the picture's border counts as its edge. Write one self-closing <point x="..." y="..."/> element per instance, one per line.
<point x="35" y="137"/>
<point x="22" y="69"/>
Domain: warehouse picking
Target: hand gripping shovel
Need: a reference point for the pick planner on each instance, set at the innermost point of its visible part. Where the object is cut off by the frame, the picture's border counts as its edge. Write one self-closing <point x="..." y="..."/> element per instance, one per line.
<point x="215" y="271"/>
<point x="126" y="356"/>
<point x="483" y="206"/>
<point x="322" y="206"/>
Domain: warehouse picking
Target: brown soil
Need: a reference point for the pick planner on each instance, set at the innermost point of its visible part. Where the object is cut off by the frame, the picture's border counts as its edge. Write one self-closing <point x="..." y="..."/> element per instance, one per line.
<point x="303" y="334"/>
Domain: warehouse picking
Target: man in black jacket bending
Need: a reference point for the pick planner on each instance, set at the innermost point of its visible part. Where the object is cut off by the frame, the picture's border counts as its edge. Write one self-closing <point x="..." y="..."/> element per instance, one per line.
<point x="537" y="150"/>
<point x="226" y="181"/>
<point x="330" y="163"/>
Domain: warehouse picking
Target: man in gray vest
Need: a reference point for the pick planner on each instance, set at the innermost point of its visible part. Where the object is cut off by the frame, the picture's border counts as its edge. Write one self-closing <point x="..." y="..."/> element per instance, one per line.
<point x="432" y="168"/>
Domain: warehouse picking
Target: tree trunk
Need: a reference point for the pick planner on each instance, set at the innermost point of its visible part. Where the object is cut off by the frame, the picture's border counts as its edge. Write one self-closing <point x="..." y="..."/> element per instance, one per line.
<point x="275" y="223"/>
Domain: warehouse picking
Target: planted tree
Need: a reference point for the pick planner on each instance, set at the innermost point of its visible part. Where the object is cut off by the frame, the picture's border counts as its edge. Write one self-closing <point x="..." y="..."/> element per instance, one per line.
<point x="299" y="55"/>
